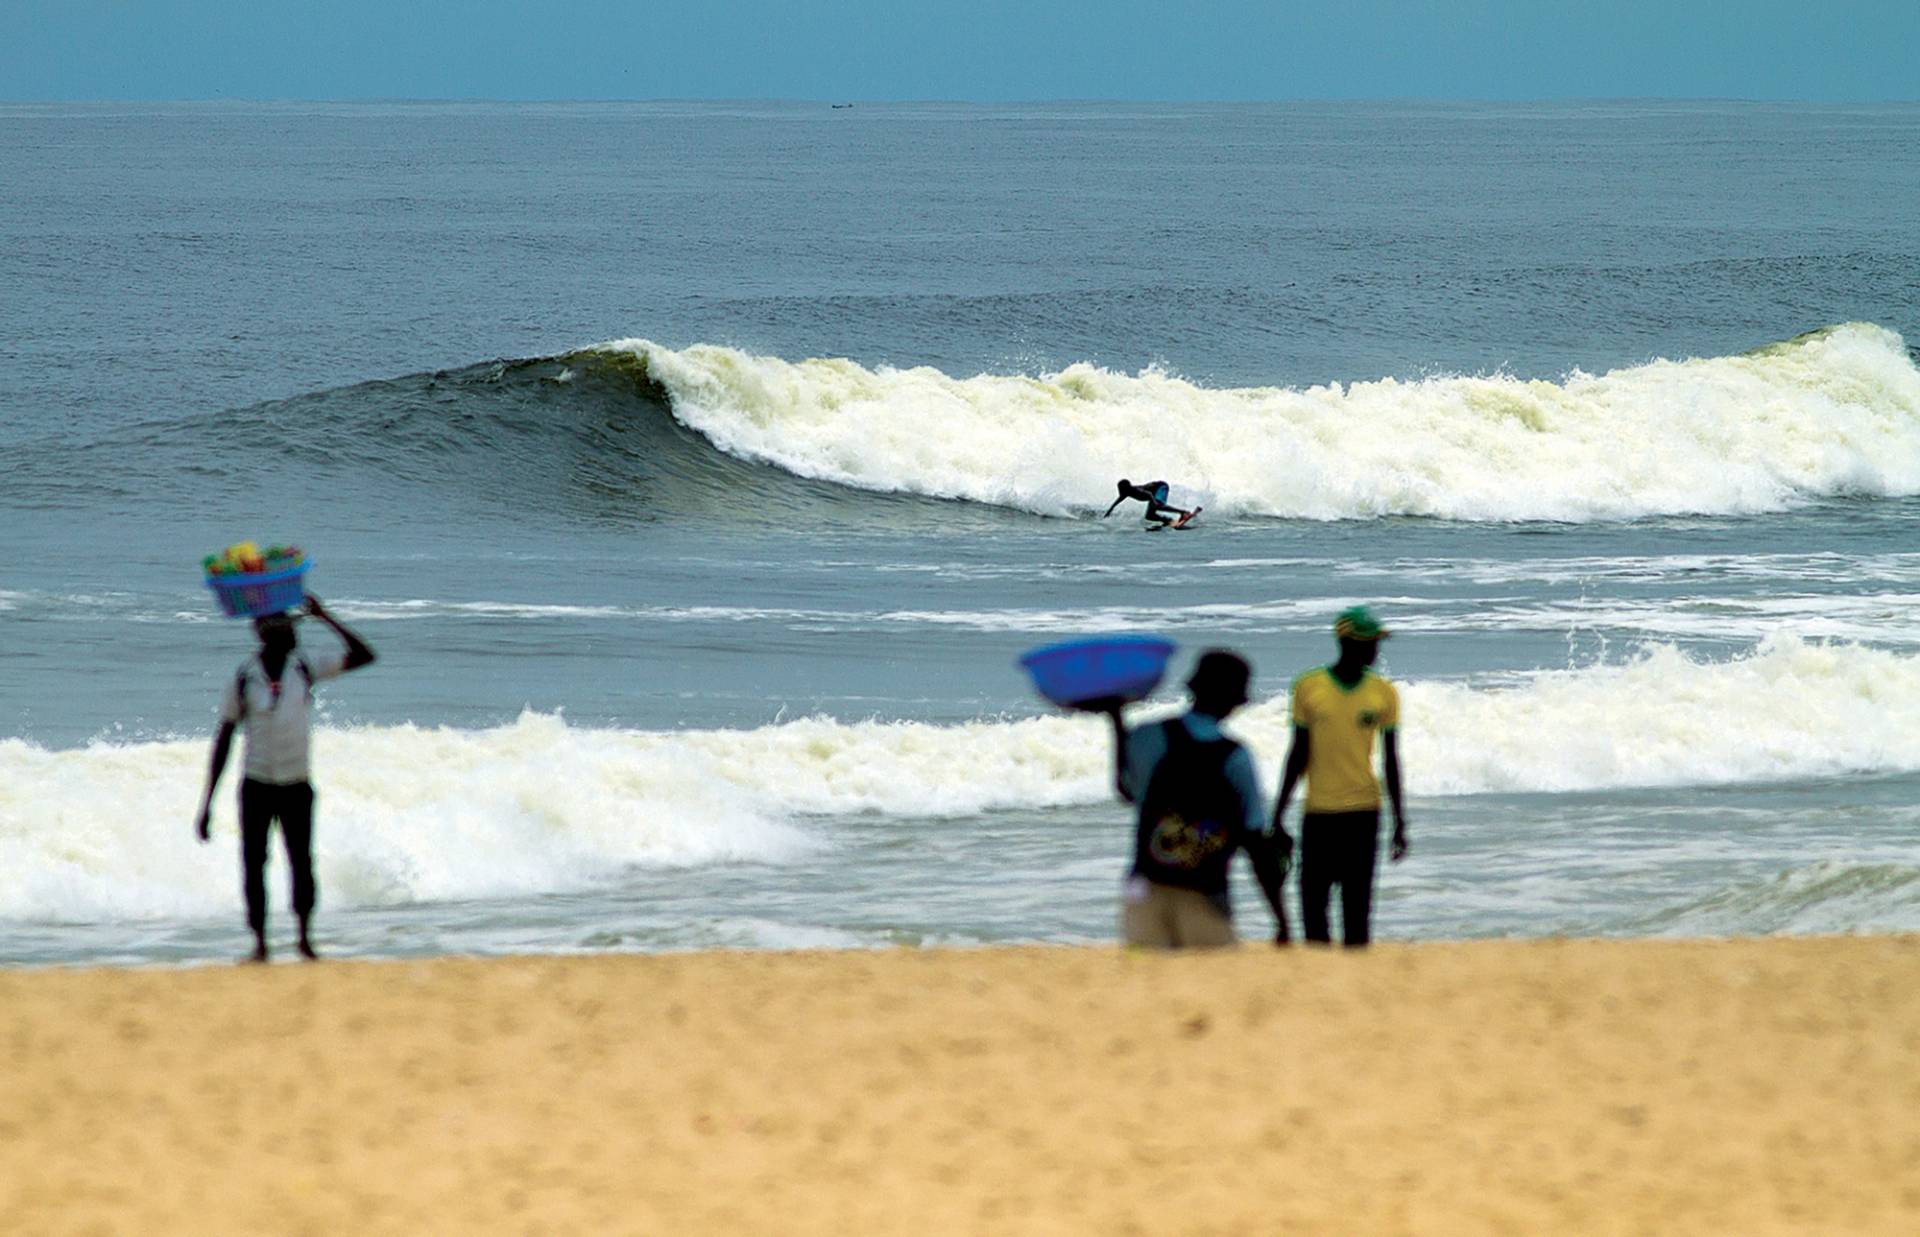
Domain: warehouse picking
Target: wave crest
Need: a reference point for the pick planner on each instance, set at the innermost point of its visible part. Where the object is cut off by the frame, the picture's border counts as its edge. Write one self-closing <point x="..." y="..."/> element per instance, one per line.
<point x="1834" y="412"/>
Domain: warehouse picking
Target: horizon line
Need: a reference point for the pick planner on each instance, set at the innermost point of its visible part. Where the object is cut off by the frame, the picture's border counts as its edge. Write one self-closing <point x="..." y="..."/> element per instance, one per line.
<point x="844" y="101"/>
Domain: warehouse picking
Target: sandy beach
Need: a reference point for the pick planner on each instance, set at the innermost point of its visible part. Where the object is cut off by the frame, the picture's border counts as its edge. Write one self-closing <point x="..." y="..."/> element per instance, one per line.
<point x="1742" y="1086"/>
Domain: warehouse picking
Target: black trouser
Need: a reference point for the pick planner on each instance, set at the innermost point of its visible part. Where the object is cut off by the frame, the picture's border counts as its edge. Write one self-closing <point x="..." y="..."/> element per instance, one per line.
<point x="260" y="804"/>
<point x="1338" y="848"/>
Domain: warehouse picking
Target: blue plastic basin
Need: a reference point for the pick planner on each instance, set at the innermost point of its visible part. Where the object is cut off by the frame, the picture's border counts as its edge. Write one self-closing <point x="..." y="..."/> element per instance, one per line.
<point x="1100" y="669"/>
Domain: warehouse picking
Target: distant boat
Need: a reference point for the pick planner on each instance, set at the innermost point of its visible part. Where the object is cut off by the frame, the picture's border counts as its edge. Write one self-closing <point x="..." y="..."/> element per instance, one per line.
<point x="838" y="106"/>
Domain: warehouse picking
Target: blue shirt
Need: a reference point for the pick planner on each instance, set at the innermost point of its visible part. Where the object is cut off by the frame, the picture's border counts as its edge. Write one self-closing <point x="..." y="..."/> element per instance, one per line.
<point x="1147" y="745"/>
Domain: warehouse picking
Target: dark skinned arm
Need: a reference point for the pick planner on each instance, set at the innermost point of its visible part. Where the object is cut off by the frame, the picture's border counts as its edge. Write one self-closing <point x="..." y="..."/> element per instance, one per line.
<point x="1119" y="751"/>
<point x="1390" y="762"/>
<point x="358" y="652"/>
<point x="1116" y="503"/>
<point x="222" y="744"/>
<point x="1270" y="870"/>
<point x="1295" y="770"/>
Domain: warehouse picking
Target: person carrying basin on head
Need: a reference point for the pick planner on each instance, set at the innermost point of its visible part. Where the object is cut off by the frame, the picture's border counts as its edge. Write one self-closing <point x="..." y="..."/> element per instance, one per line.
<point x="1199" y="803"/>
<point x="271" y="696"/>
<point x="1337" y="711"/>
<point x="1154" y="494"/>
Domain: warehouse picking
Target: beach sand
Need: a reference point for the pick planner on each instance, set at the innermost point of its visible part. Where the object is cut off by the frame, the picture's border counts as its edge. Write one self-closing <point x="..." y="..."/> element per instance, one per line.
<point x="1664" y="1087"/>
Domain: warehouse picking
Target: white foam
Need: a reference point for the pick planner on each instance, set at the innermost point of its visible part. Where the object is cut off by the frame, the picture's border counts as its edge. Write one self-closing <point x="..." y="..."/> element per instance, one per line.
<point x="539" y="805"/>
<point x="406" y="814"/>
<point x="1834" y="412"/>
<point x="1789" y="710"/>
<point x="1826" y="896"/>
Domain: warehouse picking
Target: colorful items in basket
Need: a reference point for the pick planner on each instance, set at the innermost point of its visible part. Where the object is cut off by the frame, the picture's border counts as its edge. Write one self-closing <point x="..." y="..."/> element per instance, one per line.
<point x="249" y="582"/>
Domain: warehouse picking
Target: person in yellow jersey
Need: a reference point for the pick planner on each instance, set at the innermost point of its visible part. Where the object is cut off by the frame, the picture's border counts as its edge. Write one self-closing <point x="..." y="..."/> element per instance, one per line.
<point x="1337" y="712"/>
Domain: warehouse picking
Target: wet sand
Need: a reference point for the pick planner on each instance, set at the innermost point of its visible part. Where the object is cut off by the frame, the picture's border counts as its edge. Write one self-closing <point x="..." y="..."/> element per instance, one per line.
<point x="1749" y="1086"/>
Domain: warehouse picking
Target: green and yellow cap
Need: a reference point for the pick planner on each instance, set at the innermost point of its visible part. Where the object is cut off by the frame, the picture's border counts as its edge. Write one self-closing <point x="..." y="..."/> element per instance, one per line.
<point x="1358" y="623"/>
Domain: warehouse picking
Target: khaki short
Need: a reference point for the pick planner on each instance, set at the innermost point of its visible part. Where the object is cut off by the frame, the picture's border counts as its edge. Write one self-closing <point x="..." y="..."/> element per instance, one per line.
<point x="1163" y="917"/>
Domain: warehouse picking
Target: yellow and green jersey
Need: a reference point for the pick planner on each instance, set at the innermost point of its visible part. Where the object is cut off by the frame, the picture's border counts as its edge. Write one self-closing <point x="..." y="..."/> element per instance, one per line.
<point x="1341" y="722"/>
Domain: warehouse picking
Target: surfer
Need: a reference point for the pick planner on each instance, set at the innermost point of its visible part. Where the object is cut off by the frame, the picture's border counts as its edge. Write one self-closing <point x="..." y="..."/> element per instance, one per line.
<point x="1154" y="494"/>
<point x="271" y="696"/>
<point x="1337" y="711"/>
<point x="1198" y="803"/>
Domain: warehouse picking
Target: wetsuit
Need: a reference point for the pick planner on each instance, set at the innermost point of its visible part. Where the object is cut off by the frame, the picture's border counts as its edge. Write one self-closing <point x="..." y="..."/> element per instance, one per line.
<point x="1154" y="494"/>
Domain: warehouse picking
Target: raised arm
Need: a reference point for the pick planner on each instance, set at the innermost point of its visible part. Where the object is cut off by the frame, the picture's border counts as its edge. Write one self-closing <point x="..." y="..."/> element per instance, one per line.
<point x="1390" y="765"/>
<point x="359" y="653"/>
<point x="222" y="744"/>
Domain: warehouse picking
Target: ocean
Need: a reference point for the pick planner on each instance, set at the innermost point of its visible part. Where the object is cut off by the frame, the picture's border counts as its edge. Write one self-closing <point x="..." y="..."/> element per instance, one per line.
<point x="699" y="471"/>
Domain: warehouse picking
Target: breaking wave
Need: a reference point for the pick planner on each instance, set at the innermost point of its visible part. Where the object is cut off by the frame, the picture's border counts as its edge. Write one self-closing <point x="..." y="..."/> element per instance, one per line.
<point x="538" y="805"/>
<point x="636" y="431"/>
<point x="1831" y="413"/>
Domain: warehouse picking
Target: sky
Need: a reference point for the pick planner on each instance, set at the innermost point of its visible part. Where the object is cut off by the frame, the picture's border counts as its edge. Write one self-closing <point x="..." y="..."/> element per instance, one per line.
<point x="1842" y="50"/>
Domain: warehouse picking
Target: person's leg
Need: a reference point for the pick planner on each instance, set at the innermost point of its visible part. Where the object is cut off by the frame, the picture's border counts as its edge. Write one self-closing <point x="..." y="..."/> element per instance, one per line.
<point x="296" y="830"/>
<point x="256" y="821"/>
<point x="1360" y="853"/>
<point x="1197" y="922"/>
<point x="1316" y="878"/>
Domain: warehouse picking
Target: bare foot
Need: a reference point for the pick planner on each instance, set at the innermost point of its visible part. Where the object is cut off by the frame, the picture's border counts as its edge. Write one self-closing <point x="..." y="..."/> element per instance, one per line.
<point x="259" y="953"/>
<point x="306" y="950"/>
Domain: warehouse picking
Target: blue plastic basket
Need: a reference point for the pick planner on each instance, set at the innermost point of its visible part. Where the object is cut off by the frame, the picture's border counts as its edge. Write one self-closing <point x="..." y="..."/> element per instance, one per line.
<point x="268" y="592"/>
<point x="1098" y="670"/>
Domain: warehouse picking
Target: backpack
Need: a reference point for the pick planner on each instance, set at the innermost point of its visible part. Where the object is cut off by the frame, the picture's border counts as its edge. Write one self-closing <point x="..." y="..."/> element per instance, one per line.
<point x="1191" y="817"/>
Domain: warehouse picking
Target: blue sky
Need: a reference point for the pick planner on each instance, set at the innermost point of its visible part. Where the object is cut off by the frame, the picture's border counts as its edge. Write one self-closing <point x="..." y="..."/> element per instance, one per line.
<point x="986" y="49"/>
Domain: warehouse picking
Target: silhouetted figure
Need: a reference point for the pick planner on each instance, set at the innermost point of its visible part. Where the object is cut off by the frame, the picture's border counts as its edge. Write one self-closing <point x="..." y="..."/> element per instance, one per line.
<point x="1154" y="494"/>
<point x="271" y="696"/>
<point x="1337" y="711"/>
<point x="1199" y="803"/>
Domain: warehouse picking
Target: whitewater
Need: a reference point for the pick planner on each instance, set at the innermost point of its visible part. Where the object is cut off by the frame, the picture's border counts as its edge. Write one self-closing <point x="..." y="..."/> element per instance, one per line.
<point x="1834" y="412"/>
<point x="700" y="475"/>
<point x="537" y="805"/>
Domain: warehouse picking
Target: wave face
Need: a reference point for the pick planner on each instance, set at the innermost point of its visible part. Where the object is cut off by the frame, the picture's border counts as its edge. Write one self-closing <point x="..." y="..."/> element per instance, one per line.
<point x="1832" y="413"/>
<point x="536" y="806"/>
<point x="587" y="435"/>
<point x="635" y="431"/>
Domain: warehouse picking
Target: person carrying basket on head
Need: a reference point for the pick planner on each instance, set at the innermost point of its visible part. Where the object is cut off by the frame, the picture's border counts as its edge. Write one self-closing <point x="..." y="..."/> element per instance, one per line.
<point x="271" y="696"/>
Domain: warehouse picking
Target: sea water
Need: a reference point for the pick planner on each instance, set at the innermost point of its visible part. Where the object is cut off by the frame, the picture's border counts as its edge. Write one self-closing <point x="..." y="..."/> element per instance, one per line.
<point x="699" y="471"/>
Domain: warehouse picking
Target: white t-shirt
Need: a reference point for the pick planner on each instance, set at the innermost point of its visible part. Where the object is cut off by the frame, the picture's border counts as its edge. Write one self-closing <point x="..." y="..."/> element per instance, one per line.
<point x="276" y="715"/>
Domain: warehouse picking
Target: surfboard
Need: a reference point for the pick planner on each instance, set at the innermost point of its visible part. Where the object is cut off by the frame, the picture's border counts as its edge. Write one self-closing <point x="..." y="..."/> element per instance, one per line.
<point x="1182" y="524"/>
